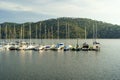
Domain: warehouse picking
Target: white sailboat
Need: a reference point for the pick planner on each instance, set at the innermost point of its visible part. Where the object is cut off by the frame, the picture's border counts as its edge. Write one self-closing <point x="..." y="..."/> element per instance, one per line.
<point x="30" y="46"/>
<point x="67" y="47"/>
<point x="22" y="44"/>
<point x="15" y="44"/>
<point x="58" y="46"/>
<point x="52" y="45"/>
<point x="1" y="43"/>
<point x="40" y="46"/>
<point x="7" y="44"/>
<point x="96" y="45"/>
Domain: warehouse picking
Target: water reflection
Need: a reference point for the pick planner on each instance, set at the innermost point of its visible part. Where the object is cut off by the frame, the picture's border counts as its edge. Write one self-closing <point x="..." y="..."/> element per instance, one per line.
<point x="41" y="51"/>
<point x="22" y="52"/>
<point x="60" y="65"/>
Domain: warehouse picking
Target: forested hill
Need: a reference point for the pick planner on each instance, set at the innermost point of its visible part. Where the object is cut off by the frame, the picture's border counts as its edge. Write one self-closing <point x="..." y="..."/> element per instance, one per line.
<point x="68" y="28"/>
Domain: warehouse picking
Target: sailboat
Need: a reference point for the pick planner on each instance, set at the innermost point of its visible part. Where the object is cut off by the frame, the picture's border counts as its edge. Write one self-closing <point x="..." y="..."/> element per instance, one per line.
<point x="22" y="44"/>
<point x="40" y="46"/>
<point x="7" y="44"/>
<point x="52" y="45"/>
<point x="77" y="47"/>
<point x="1" y="44"/>
<point x="46" y="47"/>
<point x="85" y="46"/>
<point x="30" y="46"/>
<point x="67" y="47"/>
<point x="96" y="45"/>
<point x="58" y="46"/>
<point x="15" y="44"/>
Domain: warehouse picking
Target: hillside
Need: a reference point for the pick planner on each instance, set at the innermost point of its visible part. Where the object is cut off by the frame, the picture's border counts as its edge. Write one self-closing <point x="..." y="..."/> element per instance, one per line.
<point x="45" y="29"/>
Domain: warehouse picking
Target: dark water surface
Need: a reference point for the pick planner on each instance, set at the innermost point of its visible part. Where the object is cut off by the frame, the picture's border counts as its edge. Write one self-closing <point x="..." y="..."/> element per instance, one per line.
<point x="60" y="65"/>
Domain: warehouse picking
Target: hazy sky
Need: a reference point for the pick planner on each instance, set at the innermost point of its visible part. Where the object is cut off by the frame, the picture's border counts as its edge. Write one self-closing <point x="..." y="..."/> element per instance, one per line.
<point x="35" y="10"/>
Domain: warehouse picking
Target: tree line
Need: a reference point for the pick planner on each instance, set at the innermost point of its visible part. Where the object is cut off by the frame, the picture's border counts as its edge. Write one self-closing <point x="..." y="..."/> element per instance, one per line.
<point x="59" y="28"/>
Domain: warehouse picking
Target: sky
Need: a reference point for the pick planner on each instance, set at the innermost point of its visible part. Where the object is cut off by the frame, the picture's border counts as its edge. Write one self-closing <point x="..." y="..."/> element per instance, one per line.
<point x="21" y="11"/>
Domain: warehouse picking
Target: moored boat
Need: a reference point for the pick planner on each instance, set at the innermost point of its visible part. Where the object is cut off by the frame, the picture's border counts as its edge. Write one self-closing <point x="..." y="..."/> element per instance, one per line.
<point x="22" y="46"/>
<point x="85" y="47"/>
<point x="59" y="46"/>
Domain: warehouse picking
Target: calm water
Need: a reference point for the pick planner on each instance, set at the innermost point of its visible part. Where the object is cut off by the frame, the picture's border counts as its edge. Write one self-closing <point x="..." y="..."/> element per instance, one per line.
<point x="58" y="65"/>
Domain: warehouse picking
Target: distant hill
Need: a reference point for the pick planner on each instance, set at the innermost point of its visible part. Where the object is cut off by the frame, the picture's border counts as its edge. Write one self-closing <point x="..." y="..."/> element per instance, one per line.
<point x="47" y="27"/>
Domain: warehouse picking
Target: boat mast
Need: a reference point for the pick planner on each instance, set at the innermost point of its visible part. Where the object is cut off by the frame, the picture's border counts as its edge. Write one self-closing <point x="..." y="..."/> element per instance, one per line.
<point x="96" y="32"/>
<point x="45" y="31"/>
<point x="66" y="31"/>
<point x="40" y="33"/>
<point x="23" y="31"/>
<point x="0" y="31"/>
<point x="85" y="33"/>
<point x="14" y="32"/>
<point x="6" y="32"/>
<point x="48" y="32"/>
<point x="30" y="32"/>
<point x="66" y="35"/>
<point x="93" y="33"/>
<point x="9" y="32"/>
<point x="1" y="35"/>
<point x="36" y="31"/>
<point x="58" y="30"/>
<point x="52" y="33"/>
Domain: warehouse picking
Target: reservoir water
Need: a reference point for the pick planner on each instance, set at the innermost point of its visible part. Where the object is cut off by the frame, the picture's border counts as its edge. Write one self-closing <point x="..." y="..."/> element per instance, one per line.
<point x="60" y="65"/>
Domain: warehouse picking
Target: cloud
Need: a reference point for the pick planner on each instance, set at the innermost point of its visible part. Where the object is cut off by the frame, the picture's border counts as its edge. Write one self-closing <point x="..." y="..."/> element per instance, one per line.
<point x="104" y="10"/>
<point x="13" y="6"/>
<point x="22" y="16"/>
